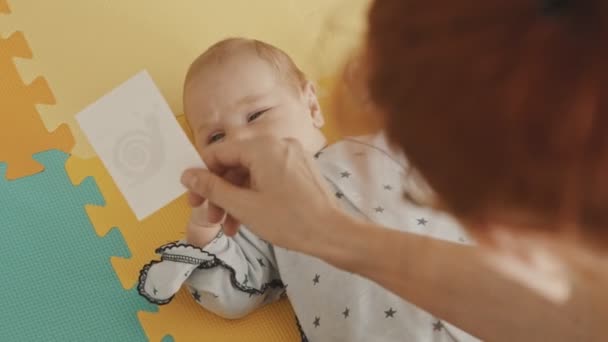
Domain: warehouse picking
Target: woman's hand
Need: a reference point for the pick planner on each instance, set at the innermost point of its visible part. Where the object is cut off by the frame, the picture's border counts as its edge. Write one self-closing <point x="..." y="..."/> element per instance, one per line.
<point x="215" y="214"/>
<point x="284" y="198"/>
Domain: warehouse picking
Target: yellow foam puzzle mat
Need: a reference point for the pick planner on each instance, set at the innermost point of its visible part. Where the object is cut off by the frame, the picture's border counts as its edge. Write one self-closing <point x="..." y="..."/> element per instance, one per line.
<point x="84" y="49"/>
<point x="185" y="321"/>
<point x="19" y="113"/>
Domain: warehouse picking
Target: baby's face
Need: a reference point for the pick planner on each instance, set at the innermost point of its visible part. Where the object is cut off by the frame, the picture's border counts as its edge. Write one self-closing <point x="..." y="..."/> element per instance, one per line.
<point x="245" y="97"/>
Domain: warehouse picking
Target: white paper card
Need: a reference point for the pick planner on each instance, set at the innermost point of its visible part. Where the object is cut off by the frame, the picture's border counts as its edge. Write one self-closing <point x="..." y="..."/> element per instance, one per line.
<point x="140" y="142"/>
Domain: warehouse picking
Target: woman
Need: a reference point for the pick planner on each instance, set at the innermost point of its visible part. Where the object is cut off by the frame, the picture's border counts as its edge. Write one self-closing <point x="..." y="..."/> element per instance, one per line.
<point x="500" y="106"/>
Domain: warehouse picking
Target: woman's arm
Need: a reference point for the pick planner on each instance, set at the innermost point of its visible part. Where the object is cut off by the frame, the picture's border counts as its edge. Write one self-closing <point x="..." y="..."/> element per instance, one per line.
<point x="453" y="282"/>
<point x="450" y="281"/>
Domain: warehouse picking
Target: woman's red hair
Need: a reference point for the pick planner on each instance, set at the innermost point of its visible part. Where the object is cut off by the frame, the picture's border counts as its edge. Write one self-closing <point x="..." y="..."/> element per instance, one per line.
<point x="501" y="105"/>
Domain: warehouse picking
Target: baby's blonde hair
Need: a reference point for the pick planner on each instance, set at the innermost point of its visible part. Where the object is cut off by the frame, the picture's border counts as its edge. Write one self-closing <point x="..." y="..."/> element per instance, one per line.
<point x="280" y="60"/>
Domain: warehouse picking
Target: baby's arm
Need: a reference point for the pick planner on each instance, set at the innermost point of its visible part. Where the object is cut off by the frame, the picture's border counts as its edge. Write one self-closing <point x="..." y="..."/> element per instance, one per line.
<point x="230" y="276"/>
<point x="245" y="279"/>
<point x="200" y="232"/>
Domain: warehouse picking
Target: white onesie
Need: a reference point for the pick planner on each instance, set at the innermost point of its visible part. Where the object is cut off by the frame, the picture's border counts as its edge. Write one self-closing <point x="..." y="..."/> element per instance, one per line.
<point x="234" y="276"/>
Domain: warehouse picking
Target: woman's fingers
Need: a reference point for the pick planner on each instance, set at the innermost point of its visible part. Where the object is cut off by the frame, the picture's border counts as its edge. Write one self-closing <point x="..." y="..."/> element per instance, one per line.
<point x="242" y="154"/>
<point x="229" y="168"/>
<point x="271" y="185"/>
<point x="217" y="191"/>
<point x="236" y="175"/>
<point x="195" y="200"/>
<point x="221" y="157"/>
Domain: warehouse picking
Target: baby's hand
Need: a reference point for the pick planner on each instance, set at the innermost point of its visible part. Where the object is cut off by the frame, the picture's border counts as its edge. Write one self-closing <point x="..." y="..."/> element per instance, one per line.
<point x="200" y="231"/>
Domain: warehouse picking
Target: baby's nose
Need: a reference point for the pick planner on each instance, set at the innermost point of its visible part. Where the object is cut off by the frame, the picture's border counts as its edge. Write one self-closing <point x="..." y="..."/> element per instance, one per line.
<point x="241" y="134"/>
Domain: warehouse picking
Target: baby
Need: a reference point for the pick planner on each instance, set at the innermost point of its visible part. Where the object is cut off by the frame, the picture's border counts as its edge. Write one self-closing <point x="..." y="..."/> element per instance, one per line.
<point x="241" y="88"/>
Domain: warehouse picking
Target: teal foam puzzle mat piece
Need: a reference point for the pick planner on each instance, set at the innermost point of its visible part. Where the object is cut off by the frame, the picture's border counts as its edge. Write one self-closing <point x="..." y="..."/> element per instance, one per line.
<point x="57" y="280"/>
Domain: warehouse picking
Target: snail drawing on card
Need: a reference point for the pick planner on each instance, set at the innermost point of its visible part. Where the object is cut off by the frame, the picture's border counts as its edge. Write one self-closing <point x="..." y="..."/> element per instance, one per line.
<point x="139" y="153"/>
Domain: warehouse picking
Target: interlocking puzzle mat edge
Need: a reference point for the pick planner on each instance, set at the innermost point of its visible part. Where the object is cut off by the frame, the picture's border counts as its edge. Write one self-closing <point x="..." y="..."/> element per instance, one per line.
<point x="22" y="132"/>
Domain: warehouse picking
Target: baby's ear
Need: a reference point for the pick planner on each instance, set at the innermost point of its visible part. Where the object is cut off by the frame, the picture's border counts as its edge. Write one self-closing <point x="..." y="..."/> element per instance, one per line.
<point x="310" y="96"/>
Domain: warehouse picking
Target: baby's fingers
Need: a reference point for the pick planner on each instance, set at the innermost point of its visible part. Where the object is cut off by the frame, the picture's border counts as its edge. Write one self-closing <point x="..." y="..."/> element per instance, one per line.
<point x="231" y="226"/>
<point x="215" y="213"/>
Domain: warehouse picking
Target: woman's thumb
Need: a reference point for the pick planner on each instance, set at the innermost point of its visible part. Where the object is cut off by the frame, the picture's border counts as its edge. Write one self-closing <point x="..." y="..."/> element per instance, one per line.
<point x="217" y="190"/>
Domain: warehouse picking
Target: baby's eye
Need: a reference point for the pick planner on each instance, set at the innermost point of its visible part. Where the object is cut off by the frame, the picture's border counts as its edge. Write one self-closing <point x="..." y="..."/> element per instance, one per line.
<point x="215" y="137"/>
<point x="256" y="115"/>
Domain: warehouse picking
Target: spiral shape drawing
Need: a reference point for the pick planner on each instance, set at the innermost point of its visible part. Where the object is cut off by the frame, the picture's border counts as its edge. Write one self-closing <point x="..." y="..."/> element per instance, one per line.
<point x="139" y="153"/>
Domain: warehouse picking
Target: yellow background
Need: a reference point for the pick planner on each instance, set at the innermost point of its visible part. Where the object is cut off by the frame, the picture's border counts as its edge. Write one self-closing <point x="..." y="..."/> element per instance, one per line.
<point x="84" y="48"/>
